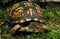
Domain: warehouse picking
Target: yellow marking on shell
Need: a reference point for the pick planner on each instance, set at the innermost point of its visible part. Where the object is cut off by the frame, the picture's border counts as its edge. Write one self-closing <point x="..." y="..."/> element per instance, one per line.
<point x="27" y="4"/>
<point x="36" y="19"/>
<point x="19" y="8"/>
<point x="34" y="13"/>
<point x="31" y="11"/>
<point x="39" y="11"/>
<point x="17" y="14"/>
<point x="36" y="4"/>
<point x="14" y="15"/>
<point x="28" y="19"/>
<point x="21" y="21"/>
<point x="14" y="7"/>
<point x="28" y="12"/>
<point x="38" y="8"/>
<point x="20" y="13"/>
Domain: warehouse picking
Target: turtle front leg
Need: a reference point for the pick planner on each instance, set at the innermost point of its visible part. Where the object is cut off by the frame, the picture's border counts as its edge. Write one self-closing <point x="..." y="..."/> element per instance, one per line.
<point x="40" y="26"/>
<point x="45" y="27"/>
<point x="13" y="30"/>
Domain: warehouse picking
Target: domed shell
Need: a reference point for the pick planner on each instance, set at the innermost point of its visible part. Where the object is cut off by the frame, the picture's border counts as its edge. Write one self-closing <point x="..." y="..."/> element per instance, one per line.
<point x="25" y="11"/>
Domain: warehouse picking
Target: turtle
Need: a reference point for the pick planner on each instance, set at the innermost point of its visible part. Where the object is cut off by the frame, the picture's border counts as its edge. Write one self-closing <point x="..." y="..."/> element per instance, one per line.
<point x="25" y="16"/>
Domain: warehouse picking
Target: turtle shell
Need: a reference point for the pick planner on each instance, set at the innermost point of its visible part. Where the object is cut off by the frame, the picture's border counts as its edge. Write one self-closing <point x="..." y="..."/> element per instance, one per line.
<point x="24" y="11"/>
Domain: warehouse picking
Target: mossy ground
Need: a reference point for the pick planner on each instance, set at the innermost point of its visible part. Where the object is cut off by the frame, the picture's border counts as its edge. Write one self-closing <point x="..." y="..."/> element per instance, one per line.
<point x="51" y="18"/>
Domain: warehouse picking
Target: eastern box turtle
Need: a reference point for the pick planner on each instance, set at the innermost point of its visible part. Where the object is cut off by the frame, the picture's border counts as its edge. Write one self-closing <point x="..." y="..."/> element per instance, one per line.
<point x="26" y="16"/>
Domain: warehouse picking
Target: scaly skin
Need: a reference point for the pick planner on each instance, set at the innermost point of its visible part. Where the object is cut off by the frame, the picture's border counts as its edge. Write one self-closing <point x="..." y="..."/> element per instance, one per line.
<point x="33" y="27"/>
